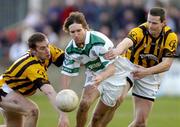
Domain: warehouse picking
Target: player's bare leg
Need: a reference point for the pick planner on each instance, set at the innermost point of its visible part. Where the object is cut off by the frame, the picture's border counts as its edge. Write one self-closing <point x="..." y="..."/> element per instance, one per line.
<point x="100" y="111"/>
<point x="15" y="103"/>
<point x="142" y="108"/>
<point x="31" y="118"/>
<point x="90" y="94"/>
<point x="12" y="119"/>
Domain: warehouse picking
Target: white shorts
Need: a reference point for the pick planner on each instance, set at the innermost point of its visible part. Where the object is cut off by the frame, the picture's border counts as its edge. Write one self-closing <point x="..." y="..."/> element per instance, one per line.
<point x="146" y="87"/>
<point x="109" y="93"/>
<point x="4" y="86"/>
<point x="4" y="89"/>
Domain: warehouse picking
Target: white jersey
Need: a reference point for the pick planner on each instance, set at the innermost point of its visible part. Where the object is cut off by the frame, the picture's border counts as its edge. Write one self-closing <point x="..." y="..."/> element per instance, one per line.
<point x="91" y="55"/>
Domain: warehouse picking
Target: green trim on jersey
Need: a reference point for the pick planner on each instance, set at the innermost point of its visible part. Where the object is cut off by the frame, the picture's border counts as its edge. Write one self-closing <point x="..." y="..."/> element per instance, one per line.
<point x="69" y="62"/>
<point x="95" y="65"/>
<point x="69" y="70"/>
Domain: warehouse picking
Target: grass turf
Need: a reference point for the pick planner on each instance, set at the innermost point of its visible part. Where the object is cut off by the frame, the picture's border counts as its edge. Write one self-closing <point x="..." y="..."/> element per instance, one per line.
<point x="166" y="113"/>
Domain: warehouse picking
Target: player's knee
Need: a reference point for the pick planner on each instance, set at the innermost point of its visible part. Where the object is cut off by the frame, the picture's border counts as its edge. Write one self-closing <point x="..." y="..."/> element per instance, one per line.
<point x="84" y="105"/>
<point x="96" y="118"/>
<point x="33" y="112"/>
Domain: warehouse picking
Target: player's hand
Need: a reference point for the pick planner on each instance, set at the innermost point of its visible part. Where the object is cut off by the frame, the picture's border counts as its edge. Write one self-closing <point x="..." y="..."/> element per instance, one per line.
<point x="97" y="79"/>
<point x="113" y="53"/>
<point x="140" y="72"/>
<point x="64" y="121"/>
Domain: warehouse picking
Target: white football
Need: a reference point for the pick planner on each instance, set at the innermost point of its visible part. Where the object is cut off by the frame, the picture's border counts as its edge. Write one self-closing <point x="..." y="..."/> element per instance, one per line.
<point x="67" y="100"/>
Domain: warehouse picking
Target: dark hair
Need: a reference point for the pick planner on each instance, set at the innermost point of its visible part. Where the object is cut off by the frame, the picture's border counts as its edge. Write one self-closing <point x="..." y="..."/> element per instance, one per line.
<point x="158" y="11"/>
<point x="35" y="38"/>
<point x="75" y="17"/>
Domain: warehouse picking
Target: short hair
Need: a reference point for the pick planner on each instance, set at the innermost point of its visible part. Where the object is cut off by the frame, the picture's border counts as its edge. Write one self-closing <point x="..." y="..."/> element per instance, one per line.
<point x="158" y="11"/>
<point x="35" y="38"/>
<point x="75" y="17"/>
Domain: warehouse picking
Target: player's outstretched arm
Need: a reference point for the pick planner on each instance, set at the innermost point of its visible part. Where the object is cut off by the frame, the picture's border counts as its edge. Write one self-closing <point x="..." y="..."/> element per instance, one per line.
<point x="49" y="91"/>
<point x="121" y="48"/>
<point x="109" y="71"/>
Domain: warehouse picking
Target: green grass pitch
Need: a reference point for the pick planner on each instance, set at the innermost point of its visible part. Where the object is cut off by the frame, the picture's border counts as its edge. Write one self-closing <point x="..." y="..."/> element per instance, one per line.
<point x="166" y="113"/>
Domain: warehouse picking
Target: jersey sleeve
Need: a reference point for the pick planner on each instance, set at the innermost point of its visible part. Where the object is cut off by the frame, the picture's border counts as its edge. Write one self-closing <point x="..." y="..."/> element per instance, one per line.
<point x="37" y="74"/>
<point x="170" y="45"/>
<point x="70" y="66"/>
<point x="136" y="35"/>
<point x="57" y="55"/>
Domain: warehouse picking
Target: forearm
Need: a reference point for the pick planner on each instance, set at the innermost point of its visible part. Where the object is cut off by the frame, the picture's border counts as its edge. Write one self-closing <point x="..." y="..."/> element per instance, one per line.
<point x="109" y="71"/>
<point x="51" y="94"/>
<point x="124" y="45"/>
<point x="49" y="91"/>
<point x="161" y="67"/>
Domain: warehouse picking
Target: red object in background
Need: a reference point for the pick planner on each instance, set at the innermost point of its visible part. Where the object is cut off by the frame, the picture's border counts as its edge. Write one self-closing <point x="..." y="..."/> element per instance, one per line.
<point x="11" y="35"/>
<point x="65" y="13"/>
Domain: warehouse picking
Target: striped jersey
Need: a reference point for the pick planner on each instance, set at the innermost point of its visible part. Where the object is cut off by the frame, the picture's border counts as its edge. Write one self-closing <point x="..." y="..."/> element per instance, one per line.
<point x="148" y="51"/>
<point x="28" y="73"/>
<point x="91" y="55"/>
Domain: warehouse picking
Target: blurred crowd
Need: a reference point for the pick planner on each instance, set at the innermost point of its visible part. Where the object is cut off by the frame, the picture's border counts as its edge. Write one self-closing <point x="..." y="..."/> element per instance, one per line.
<point x="111" y="17"/>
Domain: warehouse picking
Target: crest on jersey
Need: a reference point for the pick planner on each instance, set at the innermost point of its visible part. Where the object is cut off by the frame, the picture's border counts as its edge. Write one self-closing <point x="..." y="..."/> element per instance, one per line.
<point x="173" y="44"/>
<point x="133" y="34"/>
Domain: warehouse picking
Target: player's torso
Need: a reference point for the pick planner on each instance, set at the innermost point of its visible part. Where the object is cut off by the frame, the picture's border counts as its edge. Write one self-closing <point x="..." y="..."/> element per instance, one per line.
<point x="148" y="51"/>
<point x="18" y="77"/>
<point x="88" y="54"/>
<point x="89" y="59"/>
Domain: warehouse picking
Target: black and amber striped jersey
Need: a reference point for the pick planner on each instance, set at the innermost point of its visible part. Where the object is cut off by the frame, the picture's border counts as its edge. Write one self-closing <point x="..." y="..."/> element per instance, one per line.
<point x="148" y="51"/>
<point x="27" y="74"/>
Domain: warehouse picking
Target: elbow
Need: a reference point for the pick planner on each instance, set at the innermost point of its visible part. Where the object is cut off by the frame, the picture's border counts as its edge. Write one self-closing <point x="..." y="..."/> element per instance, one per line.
<point x="49" y="93"/>
<point x="167" y="66"/>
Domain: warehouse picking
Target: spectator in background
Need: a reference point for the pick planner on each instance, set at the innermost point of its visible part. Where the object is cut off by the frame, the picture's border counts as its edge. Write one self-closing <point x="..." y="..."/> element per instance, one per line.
<point x="51" y="35"/>
<point x="4" y="44"/>
<point x="69" y="6"/>
<point x="178" y="47"/>
<point x="53" y="19"/>
<point x="139" y="11"/>
<point x="91" y="9"/>
<point x="17" y="49"/>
